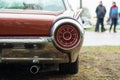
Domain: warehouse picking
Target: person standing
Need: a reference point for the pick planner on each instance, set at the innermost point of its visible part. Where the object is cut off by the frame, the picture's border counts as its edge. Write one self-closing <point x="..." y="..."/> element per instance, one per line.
<point x="113" y="16"/>
<point x="100" y="12"/>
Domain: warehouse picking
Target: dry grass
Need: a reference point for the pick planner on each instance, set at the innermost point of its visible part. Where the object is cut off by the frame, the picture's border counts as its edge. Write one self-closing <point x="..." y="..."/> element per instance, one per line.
<point x="100" y="63"/>
<point x="106" y="27"/>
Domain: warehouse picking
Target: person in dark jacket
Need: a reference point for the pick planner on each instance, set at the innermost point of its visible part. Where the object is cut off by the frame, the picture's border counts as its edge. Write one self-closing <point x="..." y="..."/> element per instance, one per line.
<point x="113" y="16"/>
<point x="100" y="11"/>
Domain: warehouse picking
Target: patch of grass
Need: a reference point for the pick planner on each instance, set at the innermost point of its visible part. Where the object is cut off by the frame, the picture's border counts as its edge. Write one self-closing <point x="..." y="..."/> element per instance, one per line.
<point x="90" y="29"/>
<point x="106" y="27"/>
<point x="100" y="62"/>
<point x="101" y="49"/>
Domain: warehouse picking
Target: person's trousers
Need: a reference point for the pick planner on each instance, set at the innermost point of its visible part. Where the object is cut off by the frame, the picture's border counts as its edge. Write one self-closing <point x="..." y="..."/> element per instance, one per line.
<point x="114" y="22"/>
<point x="100" y="21"/>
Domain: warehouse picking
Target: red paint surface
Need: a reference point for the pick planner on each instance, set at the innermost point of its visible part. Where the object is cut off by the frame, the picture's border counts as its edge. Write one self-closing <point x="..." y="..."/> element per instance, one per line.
<point x="16" y="23"/>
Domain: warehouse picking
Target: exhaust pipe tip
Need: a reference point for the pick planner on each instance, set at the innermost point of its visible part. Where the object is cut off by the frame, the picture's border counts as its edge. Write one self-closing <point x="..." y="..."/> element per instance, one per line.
<point x="34" y="69"/>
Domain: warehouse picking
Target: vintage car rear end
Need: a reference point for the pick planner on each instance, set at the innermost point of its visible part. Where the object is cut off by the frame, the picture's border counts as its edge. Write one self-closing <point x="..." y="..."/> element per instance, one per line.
<point x="40" y="35"/>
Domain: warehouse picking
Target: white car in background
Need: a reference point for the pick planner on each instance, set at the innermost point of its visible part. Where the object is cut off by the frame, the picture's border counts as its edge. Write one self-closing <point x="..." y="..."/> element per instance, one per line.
<point x="86" y="22"/>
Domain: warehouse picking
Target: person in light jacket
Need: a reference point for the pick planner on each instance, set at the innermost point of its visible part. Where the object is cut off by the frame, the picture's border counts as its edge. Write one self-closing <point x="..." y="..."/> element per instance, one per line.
<point x="113" y="16"/>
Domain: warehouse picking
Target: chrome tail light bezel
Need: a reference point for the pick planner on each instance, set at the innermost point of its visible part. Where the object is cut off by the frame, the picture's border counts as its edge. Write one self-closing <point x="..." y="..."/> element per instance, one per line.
<point x="59" y="24"/>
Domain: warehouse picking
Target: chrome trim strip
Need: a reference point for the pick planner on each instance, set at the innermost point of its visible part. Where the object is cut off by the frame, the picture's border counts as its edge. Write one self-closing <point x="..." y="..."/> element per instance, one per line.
<point x="41" y="60"/>
<point x="19" y="59"/>
<point x="39" y="40"/>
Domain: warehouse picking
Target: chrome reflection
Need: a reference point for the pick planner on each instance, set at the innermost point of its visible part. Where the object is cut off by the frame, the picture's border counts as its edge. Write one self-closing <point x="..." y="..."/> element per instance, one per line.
<point x="71" y="21"/>
<point x="46" y="52"/>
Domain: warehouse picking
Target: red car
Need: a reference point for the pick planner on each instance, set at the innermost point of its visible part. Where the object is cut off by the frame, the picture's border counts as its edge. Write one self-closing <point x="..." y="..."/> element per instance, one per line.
<point x="41" y="33"/>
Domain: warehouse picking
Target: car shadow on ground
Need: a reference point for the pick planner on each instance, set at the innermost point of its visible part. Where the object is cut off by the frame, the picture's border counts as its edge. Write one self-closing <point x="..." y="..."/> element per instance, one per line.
<point x="18" y="72"/>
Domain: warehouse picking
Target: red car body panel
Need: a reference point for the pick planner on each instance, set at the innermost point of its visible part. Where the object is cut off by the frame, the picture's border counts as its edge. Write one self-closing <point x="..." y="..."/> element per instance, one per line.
<point x="21" y="24"/>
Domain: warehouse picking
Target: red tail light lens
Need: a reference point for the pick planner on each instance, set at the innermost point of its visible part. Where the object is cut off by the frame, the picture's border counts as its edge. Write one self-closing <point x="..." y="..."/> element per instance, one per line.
<point x="67" y="36"/>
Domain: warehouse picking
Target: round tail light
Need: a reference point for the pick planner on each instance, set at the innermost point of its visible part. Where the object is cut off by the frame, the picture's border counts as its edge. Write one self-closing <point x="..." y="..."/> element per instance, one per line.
<point x="67" y="36"/>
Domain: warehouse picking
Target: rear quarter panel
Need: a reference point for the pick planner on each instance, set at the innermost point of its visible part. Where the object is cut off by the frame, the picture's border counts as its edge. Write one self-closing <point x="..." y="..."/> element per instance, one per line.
<point x="12" y="23"/>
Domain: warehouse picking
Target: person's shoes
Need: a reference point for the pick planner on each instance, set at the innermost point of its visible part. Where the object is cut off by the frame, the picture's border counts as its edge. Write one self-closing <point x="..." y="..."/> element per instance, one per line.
<point x="115" y="31"/>
<point x="96" y="31"/>
<point x="103" y="30"/>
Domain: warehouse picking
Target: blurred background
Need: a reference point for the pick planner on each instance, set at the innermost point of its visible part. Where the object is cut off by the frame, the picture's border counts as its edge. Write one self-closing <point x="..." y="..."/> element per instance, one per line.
<point x="89" y="7"/>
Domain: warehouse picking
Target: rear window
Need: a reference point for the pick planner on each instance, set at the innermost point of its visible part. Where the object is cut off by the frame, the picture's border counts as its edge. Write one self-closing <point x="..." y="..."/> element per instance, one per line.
<point x="47" y="5"/>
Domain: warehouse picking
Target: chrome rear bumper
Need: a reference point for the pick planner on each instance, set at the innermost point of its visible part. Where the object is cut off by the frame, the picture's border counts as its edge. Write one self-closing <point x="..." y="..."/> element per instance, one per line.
<point x="46" y="53"/>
